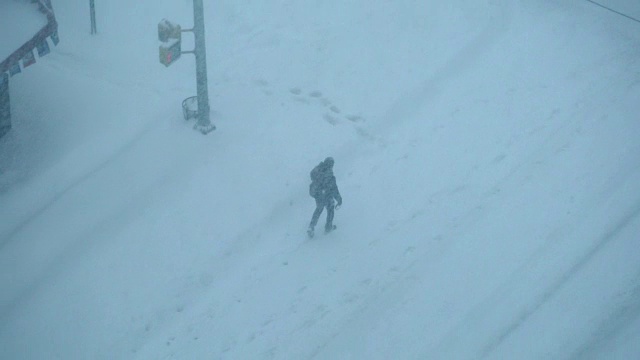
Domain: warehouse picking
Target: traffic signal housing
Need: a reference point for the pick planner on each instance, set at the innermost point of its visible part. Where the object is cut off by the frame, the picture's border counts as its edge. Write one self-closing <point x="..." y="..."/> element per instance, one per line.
<point x="168" y="30"/>
<point x="170" y="35"/>
<point x="170" y="52"/>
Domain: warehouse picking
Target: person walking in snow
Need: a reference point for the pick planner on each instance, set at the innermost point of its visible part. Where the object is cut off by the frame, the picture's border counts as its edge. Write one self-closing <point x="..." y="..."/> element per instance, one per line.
<point x="324" y="190"/>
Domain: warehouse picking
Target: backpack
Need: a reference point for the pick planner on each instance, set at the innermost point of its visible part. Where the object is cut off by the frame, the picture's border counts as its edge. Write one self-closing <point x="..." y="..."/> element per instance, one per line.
<point x="316" y="178"/>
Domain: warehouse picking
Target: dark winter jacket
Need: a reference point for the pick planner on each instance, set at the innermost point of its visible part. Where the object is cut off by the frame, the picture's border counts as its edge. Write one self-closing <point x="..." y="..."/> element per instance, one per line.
<point x="323" y="183"/>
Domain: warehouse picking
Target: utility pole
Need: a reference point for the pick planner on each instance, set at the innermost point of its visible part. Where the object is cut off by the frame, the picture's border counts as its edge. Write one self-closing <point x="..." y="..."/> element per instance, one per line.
<point x="92" y="8"/>
<point x="170" y="36"/>
<point x="203" y="123"/>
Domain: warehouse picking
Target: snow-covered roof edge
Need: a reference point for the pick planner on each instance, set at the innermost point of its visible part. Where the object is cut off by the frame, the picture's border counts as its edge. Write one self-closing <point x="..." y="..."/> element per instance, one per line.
<point x="26" y="50"/>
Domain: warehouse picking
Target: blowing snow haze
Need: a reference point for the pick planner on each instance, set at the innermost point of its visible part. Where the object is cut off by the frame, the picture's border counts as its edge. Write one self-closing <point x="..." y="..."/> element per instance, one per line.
<point x="487" y="152"/>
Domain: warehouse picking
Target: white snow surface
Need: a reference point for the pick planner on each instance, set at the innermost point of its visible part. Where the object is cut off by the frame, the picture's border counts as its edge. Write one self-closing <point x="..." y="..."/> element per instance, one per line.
<point x="20" y="20"/>
<point x="487" y="152"/>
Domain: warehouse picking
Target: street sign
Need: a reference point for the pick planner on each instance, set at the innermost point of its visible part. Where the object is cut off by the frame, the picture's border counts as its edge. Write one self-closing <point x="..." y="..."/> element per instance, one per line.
<point x="169" y="52"/>
<point x="168" y="30"/>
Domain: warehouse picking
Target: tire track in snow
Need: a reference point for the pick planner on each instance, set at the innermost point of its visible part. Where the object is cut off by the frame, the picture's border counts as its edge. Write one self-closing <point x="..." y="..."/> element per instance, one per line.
<point x="558" y="284"/>
<point x="617" y="321"/>
<point x="476" y="318"/>
<point x="498" y="23"/>
<point x="77" y="182"/>
<point x="45" y="270"/>
<point x="408" y="105"/>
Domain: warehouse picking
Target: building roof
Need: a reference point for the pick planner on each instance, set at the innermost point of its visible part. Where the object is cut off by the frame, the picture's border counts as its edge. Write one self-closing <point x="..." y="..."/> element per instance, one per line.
<point x="23" y="25"/>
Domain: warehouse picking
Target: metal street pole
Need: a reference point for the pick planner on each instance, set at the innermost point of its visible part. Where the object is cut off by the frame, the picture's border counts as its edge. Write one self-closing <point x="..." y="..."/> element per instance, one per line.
<point x="92" y="6"/>
<point x="203" y="123"/>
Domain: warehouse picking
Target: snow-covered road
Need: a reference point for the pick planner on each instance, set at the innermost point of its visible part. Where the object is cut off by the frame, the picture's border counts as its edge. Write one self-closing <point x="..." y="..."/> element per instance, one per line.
<point x="486" y="150"/>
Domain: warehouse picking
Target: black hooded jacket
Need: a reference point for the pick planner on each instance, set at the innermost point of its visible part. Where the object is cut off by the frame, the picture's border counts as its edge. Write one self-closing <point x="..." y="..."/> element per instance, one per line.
<point x="323" y="183"/>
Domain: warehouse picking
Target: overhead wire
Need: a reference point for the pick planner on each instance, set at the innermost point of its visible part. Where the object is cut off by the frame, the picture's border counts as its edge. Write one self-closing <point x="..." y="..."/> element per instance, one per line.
<point x="614" y="11"/>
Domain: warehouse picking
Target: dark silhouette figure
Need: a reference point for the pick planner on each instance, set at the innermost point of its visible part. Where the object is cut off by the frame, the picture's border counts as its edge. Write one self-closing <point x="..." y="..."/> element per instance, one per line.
<point x="324" y="190"/>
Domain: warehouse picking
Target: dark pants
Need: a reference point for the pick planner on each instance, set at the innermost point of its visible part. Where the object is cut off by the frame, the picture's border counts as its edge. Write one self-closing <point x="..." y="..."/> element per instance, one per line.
<point x="321" y="203"/>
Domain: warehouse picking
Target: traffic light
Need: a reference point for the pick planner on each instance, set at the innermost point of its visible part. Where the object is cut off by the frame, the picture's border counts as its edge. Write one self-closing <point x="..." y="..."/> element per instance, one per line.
<point x="171" y="36"/>
<point x="169" y="52"/>
<point x="168" y="30"/>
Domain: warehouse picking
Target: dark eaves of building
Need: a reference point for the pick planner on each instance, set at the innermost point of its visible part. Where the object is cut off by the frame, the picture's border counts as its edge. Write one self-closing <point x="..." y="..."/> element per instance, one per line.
<point x="23" y="57"/>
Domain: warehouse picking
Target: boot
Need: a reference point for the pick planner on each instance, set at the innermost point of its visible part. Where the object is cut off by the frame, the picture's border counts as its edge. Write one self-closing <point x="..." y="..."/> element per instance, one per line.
<point x="329" y="228"/>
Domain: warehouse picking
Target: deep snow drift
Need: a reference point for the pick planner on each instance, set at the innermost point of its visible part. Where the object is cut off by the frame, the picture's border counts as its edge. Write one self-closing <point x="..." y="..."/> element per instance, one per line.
<point x="487" y="152"/>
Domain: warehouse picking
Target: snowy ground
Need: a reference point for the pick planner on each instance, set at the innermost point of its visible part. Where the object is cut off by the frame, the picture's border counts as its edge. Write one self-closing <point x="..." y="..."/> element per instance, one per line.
<point x="486" y="151"/>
